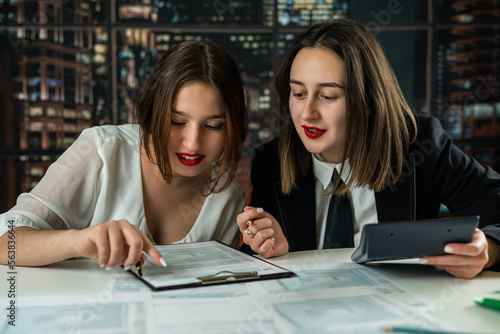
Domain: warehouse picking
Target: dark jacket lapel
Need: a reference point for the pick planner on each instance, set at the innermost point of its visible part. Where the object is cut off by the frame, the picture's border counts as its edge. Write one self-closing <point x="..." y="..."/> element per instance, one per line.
<point x="299" y="206"/>
<point x="398" y="203"/>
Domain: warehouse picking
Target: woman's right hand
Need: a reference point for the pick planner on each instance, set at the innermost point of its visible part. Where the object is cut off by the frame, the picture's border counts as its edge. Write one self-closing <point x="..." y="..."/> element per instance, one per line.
<point x="262" y="232"/>
<point x="115" y="243"/>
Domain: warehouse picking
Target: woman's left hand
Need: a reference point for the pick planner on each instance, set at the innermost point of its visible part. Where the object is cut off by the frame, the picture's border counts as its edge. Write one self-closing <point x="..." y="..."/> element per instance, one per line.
<point x="465" y="260"/>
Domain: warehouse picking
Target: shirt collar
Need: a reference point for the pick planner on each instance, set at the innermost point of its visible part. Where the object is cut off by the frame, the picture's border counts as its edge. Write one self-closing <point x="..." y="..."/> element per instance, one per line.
<point x="324" y="170"/>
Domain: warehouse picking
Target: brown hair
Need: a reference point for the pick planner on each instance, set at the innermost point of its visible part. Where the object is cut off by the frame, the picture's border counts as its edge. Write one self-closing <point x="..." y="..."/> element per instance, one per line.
<point x="380" y="124"/>
<point x="185" y="63"/>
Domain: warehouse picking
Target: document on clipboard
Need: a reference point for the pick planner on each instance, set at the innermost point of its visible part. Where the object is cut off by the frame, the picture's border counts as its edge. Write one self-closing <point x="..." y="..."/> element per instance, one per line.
<point x="206" y="263"/>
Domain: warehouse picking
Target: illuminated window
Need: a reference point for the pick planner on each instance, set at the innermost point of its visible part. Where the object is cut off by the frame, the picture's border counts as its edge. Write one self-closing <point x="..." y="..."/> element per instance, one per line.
<point x="69" y="127"/>
<point x="51" y="112"/>
<point x="35" y="111"/>
<point x="36" y="171"/>
<point x="86" y="114"/>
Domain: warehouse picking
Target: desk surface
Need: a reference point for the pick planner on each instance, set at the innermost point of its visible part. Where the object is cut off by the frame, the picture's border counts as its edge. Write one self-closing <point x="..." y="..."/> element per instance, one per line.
<point x="450" y="298"/>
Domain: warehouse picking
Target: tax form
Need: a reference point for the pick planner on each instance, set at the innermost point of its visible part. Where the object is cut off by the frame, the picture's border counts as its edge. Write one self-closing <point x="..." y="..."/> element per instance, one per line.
<point x="206" y="263"/>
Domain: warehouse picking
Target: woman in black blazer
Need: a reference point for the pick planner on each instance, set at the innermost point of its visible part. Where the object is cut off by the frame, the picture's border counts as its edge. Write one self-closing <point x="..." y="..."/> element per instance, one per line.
<point x="341" y="109"/>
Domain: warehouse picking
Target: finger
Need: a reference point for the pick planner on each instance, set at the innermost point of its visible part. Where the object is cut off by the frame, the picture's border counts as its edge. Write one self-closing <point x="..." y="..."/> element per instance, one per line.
<point x="248" y="238"/>
<point x="250" y="214"/>
<point x="250" y="233"/>
<point x="450" y="260"/>
<point x="256" y="226"/>
<point x="267" y="248"/>
<point x="470" y="250"/>
<point x="460" y="271"/>
<point x="124" y="256"/>
<point x="151" y="250"/>
<point x="241" y="220"/>
<point x="467" y="273"/>
<point x="116" y="241"/>
<point x="440" y="260"/>
<point x="260" y="237"/>
<point x="263" y="234"/>
<point x="477" y="245"/>
<point x="456" y="265"/>
<point x="259" y="224"/>
<point x="101" y="240"/>
<point x="134" y="240"/>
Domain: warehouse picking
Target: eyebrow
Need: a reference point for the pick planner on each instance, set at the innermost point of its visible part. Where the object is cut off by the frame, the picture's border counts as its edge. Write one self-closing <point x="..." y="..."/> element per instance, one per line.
<point x="322" y="84"/>
<point x="182" y="113"/>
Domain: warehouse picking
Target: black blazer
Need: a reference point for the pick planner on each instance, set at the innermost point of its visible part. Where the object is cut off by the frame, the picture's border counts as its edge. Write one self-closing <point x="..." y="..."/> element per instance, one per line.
<point x="437" y="172"/>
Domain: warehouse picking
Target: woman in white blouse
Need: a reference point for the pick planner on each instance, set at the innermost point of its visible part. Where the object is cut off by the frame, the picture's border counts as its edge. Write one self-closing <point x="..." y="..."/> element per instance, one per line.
<point x="118" y="190"/>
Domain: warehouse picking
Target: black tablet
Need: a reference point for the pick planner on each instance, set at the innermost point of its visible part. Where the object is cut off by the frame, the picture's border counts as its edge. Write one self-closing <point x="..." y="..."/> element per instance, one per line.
<point x="402" y="240"/>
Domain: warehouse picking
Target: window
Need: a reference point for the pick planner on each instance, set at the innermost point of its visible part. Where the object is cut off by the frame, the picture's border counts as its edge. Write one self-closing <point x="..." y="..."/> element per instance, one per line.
<point x="36" y="171"/>
<point x="35" y="111"/>
<point x="64" y="57"/>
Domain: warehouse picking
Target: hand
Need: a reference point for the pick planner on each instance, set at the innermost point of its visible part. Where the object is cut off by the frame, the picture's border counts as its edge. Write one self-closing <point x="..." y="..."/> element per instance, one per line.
<point x="115" y="243"/>
<point x="265" y="235"/>
<point x="466" y="261"/>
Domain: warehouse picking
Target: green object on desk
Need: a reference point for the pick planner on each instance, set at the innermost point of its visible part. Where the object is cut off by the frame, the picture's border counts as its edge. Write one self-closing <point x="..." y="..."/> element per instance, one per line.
<point x="491" y="300"/>
<point x="415" y="330"/>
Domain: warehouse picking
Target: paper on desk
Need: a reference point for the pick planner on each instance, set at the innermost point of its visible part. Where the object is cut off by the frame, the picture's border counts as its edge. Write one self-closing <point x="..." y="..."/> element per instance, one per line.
<point x="337" y="298"/>
<point x="123" y="282"/>
<point x="296" y="313"/>
<point x="187" y="262"/>
<point x="93" y="314"/>
<point x="213" y="315"/>
<point x="347" y="278"/>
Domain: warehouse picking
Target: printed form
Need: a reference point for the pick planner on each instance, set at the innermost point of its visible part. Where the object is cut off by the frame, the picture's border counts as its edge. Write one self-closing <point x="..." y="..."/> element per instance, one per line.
<point x="321" y="298"/>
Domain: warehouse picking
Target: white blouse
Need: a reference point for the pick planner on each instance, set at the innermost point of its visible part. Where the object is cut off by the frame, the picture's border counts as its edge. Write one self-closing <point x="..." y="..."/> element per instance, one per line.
<point x="99" y="179"/>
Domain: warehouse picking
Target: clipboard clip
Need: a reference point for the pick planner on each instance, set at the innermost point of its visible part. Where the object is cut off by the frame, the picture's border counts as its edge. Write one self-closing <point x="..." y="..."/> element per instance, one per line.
<point x="228" y="276"/>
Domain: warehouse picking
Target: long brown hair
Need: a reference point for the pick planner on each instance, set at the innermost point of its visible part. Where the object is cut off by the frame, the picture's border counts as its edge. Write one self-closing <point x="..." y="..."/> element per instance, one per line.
<point x="185" y="63"/>
<point x="380" y="124"/>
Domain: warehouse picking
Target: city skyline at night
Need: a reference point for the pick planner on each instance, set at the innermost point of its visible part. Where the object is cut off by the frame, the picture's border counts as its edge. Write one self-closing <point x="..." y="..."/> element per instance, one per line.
<point x="69" y="67"/>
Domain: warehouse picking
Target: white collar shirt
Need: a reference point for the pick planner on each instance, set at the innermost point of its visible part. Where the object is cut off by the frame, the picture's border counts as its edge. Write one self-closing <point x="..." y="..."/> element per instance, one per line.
<point x="362" y="199"/>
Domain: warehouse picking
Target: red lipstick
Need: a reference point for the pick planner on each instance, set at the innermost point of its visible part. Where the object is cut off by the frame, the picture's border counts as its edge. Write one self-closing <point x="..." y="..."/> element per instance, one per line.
<point x="189" y="159"/>
<point x="312" y="132"/>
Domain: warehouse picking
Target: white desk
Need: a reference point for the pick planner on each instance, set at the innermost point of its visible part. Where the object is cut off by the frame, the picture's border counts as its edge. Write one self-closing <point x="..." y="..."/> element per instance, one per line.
<point x="451" y="298"/>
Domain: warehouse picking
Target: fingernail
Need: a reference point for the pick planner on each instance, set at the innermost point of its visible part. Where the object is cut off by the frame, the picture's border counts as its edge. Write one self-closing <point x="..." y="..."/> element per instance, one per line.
<point x="109" y="268"/>
<point x="127" y="268"/>
<point x="246" y="208"/>
<point x="449" y="249"/>
<point x="272" y="239"/>
<point x="260" y="210"/>
<point x="162" y="261"/>
<point x="101" y="265"/>
<point x="423" y="260"/>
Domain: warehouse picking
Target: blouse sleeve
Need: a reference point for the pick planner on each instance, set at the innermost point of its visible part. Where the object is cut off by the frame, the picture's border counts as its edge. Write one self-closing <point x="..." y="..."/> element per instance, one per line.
<point x="65" y="197"/>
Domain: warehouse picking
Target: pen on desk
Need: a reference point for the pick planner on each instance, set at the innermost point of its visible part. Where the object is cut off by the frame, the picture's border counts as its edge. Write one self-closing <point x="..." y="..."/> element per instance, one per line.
<point x="415" y="330"/>
<point x="138" y="266"/>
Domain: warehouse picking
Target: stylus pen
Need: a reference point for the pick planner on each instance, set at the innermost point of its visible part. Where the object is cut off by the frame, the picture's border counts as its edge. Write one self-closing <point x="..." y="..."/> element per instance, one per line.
<point x="138" y="266"/>
<point x="415" y="330"/>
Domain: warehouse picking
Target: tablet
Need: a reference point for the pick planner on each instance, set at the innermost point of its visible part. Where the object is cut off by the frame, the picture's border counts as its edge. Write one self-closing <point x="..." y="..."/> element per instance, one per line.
<point x="402" y="240"/>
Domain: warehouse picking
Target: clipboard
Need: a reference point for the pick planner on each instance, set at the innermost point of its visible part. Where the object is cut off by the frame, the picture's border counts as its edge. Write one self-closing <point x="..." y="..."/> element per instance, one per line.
<point x="411" y="239"/>
<point x="206" y="263"/>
